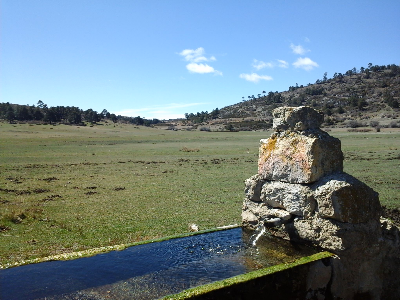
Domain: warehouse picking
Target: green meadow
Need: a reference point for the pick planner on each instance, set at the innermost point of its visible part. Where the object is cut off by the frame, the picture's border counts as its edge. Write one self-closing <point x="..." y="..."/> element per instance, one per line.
<point x="68" y="188"/>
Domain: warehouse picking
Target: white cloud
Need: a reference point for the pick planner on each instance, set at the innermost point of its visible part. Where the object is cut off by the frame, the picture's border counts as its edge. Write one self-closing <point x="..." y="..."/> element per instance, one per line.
<point x="305" y="63"/>
<point x="258" y="64"/>
<point x="298" y="49"/>
<point x="161" y="112"/>
<point x="194" y="57"/>
<point x="282" y="63"/>
<point x="253" y="77"/>
<point x="202" y="69"/>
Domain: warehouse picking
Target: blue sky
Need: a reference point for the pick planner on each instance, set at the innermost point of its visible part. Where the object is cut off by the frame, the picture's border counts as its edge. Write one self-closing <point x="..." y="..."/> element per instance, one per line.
<point x="160" y="59"/>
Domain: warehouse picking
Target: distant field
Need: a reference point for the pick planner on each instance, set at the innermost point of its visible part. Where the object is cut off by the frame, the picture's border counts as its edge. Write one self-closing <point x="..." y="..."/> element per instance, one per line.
<point x="65" y="188"/>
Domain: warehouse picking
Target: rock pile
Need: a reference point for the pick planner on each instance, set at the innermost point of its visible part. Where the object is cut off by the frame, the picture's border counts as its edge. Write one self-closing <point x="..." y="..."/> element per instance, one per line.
<point x="302" y="191"/>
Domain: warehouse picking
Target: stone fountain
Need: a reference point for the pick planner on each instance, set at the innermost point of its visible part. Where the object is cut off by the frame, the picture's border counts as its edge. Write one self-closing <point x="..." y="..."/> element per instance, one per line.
<point x="301" y="193"/>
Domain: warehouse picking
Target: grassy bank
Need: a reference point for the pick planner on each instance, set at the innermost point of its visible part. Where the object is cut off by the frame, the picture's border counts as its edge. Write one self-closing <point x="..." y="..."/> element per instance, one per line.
<point x="65" y="188"/>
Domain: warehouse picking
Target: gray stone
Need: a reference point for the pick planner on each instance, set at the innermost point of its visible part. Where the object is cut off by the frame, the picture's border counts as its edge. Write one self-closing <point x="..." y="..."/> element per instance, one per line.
<point x="255" y="212"/>
<point x="297" y="199"/>
<point x="296" y="118"/>
<point x="346" y="199"/>
<point x="253" y="186"/>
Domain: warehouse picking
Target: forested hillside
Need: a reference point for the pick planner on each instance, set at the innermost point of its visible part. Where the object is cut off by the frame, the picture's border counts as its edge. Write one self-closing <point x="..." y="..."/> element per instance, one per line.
<point x="359" y="97"/>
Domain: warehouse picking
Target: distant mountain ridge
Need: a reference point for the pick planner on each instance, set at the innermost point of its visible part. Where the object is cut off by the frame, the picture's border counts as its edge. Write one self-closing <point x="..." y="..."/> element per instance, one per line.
<point x="365" y="97"/>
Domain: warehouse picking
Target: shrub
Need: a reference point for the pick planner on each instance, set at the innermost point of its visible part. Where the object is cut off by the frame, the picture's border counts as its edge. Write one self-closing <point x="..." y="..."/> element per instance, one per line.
<point x="186" y="149"/>
<point x="354" y="124"/>
<point x="374" y="124"/>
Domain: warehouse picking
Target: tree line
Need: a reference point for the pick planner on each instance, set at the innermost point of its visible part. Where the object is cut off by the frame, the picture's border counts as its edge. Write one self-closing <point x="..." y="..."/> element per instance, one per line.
<point x="202" y="116"/>
<point x="64" y="114"/>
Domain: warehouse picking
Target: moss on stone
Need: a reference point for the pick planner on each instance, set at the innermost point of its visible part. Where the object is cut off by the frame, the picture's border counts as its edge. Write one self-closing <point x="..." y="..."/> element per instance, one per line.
<point x="204" y="289"/>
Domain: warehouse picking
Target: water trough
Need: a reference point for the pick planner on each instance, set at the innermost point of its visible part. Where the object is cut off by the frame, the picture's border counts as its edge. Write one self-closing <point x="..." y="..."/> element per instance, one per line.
<point x="157" y="269"/>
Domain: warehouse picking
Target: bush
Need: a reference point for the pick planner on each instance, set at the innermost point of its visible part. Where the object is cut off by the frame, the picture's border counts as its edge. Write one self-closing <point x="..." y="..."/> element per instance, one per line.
<point x="374" y="124"/>
<point x="354" y="124"/>
<point x="186" y="149"/>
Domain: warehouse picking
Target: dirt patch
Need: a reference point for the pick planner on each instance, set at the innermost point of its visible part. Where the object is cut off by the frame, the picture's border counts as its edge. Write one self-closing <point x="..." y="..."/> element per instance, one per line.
<point x="39" y="191"/>
<point x="392" y="214"/>
<point x="49" y="179"/>
<point x="51" y="198"/>
<point x="120" y="188"/>
<point x="15" y="180"/>
<point x="90" y="193"/>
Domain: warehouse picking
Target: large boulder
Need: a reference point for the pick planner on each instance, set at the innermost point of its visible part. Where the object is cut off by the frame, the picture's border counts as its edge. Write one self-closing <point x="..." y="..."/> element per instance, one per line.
<point x="299" y="157"/>
<point x="346" y="199"/>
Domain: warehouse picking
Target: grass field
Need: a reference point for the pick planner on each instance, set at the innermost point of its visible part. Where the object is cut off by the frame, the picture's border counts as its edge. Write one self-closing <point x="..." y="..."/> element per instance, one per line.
<point x="65" y="188"/>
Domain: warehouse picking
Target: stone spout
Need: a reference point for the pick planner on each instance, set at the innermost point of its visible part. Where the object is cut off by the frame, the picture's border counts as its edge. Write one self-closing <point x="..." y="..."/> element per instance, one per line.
<point x="273" y="222"/>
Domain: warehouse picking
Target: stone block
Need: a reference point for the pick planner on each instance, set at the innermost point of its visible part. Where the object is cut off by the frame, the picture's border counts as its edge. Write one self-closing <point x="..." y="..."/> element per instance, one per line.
<point x="296" y="118"/>
<point x="297" y="199"/>
<point x="346" y="199"/>
<point x="299" y="158"/>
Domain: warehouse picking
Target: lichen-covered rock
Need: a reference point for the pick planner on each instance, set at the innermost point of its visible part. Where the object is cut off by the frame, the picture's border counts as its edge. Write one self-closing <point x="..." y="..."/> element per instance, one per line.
<point x="299" y="157"/>
<point x="296" y="118"/>
<point x="297" y="199"/>
<point x="346" y="199"/>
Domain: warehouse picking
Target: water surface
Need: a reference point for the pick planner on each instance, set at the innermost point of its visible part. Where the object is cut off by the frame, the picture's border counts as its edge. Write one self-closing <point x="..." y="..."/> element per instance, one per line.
<point x="149" y="271"/>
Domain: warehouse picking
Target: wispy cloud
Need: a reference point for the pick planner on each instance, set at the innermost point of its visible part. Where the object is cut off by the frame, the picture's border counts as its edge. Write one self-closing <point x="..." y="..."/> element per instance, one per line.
<point x="298" y="49"/>
<point x="282" y="63"/>
<point x="195" y="57"/>
<point x="259" y="64"/>
<point x="305" y="63"/>
<point x="254" y="77"/>
<point x="162" y="112"/>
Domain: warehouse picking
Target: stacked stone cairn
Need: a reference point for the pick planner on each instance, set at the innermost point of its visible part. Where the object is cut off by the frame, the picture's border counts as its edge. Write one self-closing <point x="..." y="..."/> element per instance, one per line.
<point x="302" y="194"/>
